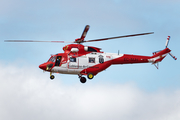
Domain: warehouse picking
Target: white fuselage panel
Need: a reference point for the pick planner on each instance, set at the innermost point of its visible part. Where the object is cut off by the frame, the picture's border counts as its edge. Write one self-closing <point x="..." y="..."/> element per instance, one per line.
<point x="84" y="62"/>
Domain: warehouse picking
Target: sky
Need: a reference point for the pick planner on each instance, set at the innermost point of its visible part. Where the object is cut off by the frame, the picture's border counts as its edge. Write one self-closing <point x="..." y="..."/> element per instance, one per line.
<point x="135" y="91"/>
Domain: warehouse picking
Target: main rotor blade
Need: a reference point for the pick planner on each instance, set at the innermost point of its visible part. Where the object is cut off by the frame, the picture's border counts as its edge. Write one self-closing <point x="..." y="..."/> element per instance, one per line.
<point x="119" y="37"/>
<point x="35" y="41"/>
<point x="84" y="32"/>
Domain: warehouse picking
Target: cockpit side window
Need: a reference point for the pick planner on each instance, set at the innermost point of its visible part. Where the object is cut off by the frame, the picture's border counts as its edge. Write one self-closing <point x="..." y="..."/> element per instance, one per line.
<point x="53" y="59"/>
<point x="58" y="60"/>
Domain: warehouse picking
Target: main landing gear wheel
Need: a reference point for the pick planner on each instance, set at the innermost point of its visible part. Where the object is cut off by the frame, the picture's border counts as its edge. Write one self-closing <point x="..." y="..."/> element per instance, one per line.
<point x="83" y="79"/>
<point x="90" y="75"/>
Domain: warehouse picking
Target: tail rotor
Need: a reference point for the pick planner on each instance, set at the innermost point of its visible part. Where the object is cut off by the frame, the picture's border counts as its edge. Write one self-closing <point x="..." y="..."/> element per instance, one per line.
<point x="167" y="42"/>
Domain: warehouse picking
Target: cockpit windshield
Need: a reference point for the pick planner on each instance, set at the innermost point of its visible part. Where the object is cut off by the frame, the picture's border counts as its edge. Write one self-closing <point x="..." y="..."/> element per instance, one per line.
<point x="53" y="59"/>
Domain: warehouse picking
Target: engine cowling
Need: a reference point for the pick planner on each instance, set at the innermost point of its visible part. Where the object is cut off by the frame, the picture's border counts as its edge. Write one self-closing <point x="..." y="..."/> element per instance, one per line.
<point x="86" y="48"/>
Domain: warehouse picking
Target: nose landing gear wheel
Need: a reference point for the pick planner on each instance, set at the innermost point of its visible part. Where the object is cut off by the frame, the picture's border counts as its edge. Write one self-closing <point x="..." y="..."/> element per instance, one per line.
<point x="52" y="77"/>
<point x="83" y="79"/>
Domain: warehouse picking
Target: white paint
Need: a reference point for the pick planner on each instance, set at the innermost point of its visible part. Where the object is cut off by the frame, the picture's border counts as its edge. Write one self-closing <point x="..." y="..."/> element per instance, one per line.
<point x="74" y="50"/>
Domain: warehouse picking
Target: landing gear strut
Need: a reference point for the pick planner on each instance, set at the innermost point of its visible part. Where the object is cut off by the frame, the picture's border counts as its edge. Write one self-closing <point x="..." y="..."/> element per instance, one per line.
<point x="51" y="76"/>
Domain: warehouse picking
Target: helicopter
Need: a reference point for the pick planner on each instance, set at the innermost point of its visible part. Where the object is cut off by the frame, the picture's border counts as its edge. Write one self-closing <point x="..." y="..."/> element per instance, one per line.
<point x="88" y="61"/>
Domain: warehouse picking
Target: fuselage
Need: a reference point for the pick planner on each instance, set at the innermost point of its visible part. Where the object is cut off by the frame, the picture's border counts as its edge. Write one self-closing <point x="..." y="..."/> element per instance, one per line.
<point x="93" y="61"/>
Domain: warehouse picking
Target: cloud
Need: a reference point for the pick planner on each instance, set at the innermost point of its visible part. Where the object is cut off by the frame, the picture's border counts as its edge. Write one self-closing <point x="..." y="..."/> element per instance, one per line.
<point x="27" y="93"/>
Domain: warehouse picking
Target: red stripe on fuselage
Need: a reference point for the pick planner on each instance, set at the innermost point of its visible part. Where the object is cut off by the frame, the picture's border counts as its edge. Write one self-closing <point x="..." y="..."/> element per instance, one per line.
<point x="130" y="59"/>
<point x="125" y="59"/>
<point x="96" y="68"/>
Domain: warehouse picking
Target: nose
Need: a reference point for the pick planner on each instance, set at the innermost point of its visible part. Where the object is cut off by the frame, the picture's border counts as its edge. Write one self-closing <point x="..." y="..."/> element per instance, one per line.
<point x="42" y="66"/>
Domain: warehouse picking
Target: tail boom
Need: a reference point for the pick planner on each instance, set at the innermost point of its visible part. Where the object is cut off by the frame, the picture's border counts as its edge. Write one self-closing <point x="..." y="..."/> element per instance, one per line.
<point x="130" y="59"/>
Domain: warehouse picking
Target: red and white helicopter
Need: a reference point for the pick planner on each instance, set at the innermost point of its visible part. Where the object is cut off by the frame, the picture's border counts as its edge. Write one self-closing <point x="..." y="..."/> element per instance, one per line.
<point x="87" y="60"/>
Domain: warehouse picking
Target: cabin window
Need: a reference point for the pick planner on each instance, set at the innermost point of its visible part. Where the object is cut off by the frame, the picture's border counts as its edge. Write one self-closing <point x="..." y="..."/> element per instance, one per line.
<point x="91" y="60"/>
<point x="72" y="59"/>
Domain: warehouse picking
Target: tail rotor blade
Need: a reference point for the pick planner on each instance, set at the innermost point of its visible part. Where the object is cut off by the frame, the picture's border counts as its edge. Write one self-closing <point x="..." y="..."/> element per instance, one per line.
<point x="167" y="41"/>
<point x="172" y="56"/>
